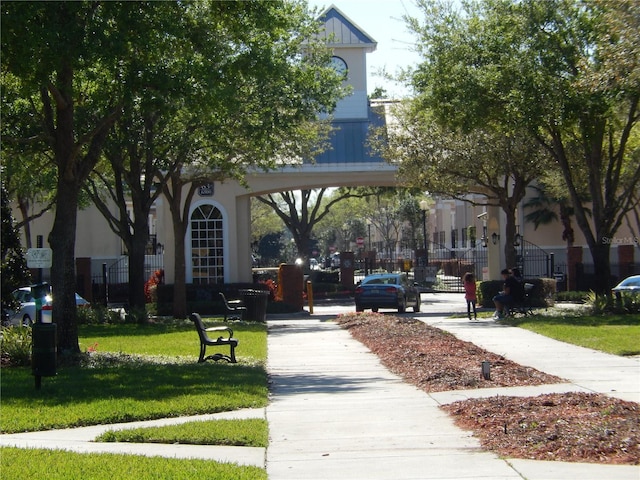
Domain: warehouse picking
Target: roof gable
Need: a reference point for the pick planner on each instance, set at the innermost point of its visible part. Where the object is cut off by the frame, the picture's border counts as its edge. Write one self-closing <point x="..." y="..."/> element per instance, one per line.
<point x="339" y="30"/>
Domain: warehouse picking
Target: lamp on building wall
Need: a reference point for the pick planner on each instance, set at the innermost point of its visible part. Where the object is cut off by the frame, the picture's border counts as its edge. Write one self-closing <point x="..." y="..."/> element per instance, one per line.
<point x="483" y="239"/>
<point x="517" y="239"/>
<point x="495" y="238"/>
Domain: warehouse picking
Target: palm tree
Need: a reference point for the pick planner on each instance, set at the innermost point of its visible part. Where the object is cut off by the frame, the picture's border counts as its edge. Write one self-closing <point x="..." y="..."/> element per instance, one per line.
<point x="544" y="212"/>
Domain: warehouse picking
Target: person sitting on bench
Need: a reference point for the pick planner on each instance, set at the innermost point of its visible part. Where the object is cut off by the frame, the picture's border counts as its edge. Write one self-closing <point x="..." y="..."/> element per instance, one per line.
<point x="512" y="292"/>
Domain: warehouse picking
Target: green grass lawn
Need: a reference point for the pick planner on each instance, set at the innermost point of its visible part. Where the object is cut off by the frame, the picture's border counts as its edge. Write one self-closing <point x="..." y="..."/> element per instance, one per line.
<point x="616" y="334"/>
<point x="166" y="382"/>
<point x="139" y="372"/>
<point x="251" y="432"/>
<point x="170" y="338"/>
<point x="60" y="465"/>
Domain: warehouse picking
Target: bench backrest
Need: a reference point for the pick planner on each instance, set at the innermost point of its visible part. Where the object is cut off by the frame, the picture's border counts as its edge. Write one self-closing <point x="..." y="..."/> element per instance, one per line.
<point x="197" y="320"/>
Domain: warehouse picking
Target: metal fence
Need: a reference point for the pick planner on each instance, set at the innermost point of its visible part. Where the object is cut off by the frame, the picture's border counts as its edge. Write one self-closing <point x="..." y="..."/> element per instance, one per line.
<point x="586" y="274"/>
<point x="111" y="284"/>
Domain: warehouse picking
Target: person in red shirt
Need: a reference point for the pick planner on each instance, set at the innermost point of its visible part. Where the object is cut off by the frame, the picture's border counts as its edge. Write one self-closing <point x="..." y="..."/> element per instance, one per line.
<point x="469" y="283"/>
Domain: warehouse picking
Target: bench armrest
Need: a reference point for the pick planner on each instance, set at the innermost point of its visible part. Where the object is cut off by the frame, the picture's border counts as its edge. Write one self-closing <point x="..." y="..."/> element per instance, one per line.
<point x="219" y="329"/>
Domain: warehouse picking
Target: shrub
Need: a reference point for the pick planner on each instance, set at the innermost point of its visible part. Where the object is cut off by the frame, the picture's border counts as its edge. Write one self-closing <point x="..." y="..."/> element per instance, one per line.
<point x="98" y="315"/>
<point x="16" y="346"/>
<point x="628" y="302"/>
<point x="271" y="286"/>
<point x="572" y="296"/>
<point x="623" y="302"/>
<point x="151" y="286"/>
<point x="137" y="315"/>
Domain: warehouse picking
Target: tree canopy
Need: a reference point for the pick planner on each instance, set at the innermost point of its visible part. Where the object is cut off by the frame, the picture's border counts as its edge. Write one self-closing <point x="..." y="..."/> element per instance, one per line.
<point x="566" y="72"/>
<point x="230" y="84"/>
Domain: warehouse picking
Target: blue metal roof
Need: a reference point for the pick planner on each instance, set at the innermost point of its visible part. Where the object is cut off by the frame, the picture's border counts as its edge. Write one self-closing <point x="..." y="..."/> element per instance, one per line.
<point x="349" y="141"/>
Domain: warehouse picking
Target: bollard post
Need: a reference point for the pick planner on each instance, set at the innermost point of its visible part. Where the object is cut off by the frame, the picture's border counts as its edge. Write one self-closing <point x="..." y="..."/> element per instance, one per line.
<point x="486" y="370"/>
<point x="310" y="295"/>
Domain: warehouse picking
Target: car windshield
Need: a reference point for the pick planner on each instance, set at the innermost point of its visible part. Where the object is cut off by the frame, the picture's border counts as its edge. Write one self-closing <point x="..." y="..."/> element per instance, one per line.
<point x="382" y="281"/>
<point x="631" y="282"/>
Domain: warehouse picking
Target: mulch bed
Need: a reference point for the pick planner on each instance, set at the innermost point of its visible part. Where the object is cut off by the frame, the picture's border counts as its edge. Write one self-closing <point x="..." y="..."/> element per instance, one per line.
<point x="574" y="427"/>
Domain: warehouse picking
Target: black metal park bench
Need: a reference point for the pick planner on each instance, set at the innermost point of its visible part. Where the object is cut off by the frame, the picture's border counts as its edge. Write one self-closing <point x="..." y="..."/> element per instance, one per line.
<point x="523" y="307"/>
<point x="233" y="309"/>
<point x="206" y="341"/>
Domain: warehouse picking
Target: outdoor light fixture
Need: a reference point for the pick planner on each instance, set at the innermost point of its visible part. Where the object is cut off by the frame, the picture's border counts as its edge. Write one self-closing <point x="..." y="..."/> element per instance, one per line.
<point x="483" y="239"/>
<point x="517" y="239"/>
<point x="495" y="237"/>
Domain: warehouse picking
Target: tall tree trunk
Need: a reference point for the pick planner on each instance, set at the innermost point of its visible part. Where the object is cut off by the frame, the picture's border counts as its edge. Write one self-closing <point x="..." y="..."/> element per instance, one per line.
<point x="136" y="262"/>
<point x="63" y="272"/>
<point x="567" y="232"/>
<point x="180" y="219"/>
<point x="23" y="205"/>
<point x="180" y="282"/>
<point x="602" y="268"/>
<point x="510" y="234"/>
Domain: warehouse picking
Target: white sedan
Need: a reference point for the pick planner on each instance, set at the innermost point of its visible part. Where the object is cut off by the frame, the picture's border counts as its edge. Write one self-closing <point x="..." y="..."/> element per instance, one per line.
<point x="26" y="315"/>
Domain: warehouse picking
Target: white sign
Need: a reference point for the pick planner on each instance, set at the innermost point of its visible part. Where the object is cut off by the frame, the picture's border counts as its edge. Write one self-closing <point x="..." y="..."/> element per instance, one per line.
<point x="431" y="274"/>
<point x="39" y="258"/>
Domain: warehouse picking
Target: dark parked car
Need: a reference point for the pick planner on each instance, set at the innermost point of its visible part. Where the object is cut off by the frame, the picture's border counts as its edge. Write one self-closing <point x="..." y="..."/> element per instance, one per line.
<point x="387" y="290"/>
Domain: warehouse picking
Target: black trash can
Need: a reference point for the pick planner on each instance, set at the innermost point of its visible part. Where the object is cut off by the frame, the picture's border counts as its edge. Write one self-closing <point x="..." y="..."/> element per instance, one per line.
<point x="256" y="303"/>
<point x="43" y="353"/>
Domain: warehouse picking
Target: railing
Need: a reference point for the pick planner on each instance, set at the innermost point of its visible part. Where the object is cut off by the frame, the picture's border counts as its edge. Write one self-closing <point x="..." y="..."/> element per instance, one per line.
<point x="533" y="261"/>
<point x="111" y="285"/>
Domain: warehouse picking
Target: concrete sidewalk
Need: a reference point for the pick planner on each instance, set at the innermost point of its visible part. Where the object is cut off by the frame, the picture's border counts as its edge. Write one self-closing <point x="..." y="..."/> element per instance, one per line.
<point x="337" y="413"/>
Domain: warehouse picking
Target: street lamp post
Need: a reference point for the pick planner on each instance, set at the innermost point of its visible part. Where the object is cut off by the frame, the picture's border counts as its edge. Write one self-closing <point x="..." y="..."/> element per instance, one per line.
<point x="424" y="205"/>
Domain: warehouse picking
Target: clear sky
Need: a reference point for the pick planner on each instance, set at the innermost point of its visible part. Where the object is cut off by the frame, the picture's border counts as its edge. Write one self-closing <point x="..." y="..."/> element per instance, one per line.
<point x="382" y="20"/>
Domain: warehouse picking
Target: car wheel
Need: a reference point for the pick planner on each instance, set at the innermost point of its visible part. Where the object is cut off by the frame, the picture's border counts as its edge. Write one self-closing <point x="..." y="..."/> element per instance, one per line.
<point x="416" y="309"/>
<point x="26" y="321"/>
<point x="374" y="310"/>
<point x="402" y="307"/>
<point x="359" y="308"/>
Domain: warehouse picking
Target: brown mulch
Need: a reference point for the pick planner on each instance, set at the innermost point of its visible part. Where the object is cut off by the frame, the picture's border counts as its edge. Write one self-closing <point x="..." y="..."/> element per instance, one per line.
<point x="573" y="427"/>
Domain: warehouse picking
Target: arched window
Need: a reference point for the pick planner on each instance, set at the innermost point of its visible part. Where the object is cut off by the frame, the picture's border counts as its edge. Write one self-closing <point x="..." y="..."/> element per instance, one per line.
<point x="207" y="244"/>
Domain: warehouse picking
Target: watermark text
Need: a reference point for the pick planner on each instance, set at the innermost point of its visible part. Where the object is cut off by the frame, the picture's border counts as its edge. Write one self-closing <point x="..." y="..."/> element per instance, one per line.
<point x="621" y="240"/>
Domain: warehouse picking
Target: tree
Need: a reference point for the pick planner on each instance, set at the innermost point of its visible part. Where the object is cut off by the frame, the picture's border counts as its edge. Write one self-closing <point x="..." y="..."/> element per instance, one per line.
<point x="495" y="163"/>
<point x="302" y="210"/>
<point x="264" y="221"/>
<point x="543" y="211"/>
<point x="22" y="157"/>
<point x="13" y="269"/>
<point x="62" y="54"/>
<point x="259" y="103"/>
<point x="567" y="72"/>
<point x="157" y="76"/>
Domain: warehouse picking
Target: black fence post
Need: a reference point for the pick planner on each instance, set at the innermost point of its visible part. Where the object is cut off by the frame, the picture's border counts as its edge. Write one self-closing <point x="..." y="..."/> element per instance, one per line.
<point x="105" y="282"/>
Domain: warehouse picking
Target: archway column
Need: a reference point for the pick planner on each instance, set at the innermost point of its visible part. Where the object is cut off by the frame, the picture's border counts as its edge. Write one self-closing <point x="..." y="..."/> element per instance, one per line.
<point x="240" y="270"/>
<point x="494" y="255"/>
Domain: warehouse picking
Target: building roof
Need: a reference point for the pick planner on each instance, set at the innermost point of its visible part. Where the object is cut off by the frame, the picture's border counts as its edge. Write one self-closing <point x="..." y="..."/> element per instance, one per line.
<point x="349" y="141"/>
<point x="341" y="31"/>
